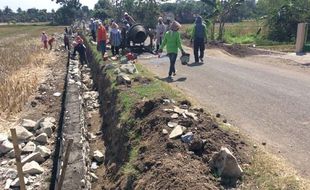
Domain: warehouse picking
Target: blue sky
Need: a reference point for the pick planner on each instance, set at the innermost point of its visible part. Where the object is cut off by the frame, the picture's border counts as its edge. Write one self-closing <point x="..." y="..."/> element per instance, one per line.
<point x="39" y="4"/>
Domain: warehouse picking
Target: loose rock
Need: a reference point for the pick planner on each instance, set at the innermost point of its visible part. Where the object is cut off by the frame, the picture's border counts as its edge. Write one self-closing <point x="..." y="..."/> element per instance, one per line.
<point x="165" y="132"/>
<point x="44" y="151"/>
<point x="32" y="168"/>
<point x="46" y="123"/>
<point x="8" y="184"/>
<point x="172" y="124"/>
<point x="3" y="137"/>
<point x="225" y="164"/>
<point x="98" y="156"/>
<point x="176" y="132"/>
<point x="42" y="138"/>
<point x="196" y="144"/>
<point x="36" y="156"/>
<point x="50" y="119"/>
<point x="10" y="173"/>
<point x="11" y="154"/>
<point x="123" y="78"/>
<point x="188" y="137"/>
<point x="3" y="162"/>
<point x="192" y="115"/>
<point x="29" y="147"/>
<point x="47" y="130"/>
<point x="22" y="134"/>
<point x="29" y="124"/>
<point x="94" y="166"/>
<point x="174" y="116"/>
<point x="5" y="146"/>
<point x="15" y="183"/>
<point x="128" y="68"/>
<point x="178" y="110"/>
<point x="93" y="177"/>
<point x="57" y="94"/>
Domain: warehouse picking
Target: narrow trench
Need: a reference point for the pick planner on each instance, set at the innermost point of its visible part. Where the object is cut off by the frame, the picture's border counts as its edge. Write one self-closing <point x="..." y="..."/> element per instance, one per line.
<point x="59" y="144"/>
<point x="112" y="139"/>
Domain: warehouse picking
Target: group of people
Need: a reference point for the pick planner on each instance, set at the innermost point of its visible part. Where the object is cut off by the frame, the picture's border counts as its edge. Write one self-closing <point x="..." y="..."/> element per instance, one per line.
<point x="166" y="36"/>
<point x="47" y="41"/>
<point x="172" y="41"/>
<point x="110" y="32"/>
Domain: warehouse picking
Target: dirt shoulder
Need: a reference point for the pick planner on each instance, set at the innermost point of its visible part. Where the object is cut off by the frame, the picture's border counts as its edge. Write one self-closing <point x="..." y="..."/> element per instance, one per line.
<point x="134" y="129"/>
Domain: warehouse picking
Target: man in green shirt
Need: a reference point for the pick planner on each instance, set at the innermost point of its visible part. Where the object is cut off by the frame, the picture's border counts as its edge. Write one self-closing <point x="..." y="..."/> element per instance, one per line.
<point x="173" y="42"/>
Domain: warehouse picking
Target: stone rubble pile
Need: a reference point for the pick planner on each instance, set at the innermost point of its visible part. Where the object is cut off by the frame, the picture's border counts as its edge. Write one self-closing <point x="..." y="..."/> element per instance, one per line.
<point x="224" y="163"/>
<point x="91" y="105"/>
<point x="33" y="138"/>
<point x="123" y="69"/>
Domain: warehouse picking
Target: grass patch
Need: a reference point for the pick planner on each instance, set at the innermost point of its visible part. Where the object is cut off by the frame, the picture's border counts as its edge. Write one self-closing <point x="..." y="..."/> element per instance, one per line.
<point x="270" y="172"/>
<point x="129" y="168"/>
<point x="245" y="32"/>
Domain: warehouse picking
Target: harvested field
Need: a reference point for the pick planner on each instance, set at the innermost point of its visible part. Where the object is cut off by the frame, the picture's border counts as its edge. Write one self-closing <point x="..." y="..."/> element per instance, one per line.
<point x="21" y="62"/>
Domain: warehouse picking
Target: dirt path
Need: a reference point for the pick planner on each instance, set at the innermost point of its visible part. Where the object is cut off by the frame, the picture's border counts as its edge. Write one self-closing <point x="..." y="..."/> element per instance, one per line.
<point x="268" y="101"/>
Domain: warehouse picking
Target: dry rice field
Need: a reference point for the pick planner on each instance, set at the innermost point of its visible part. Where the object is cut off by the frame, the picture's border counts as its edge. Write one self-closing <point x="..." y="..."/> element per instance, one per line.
<point x="21" y="61"/>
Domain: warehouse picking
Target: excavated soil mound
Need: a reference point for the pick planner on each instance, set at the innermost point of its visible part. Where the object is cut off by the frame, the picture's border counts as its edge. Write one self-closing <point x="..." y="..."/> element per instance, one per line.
<point x="164" y="163"/>
<point x="240" y="50"/>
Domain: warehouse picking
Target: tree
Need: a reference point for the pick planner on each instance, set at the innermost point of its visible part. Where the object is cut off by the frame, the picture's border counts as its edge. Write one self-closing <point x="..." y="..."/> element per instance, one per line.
<point x="85" y="11"/>
<point x="143" y="11"/>
<point x="222" y="11"/>
<point x="68" y="12"/>
<point x="283" y="16"/>
<point x="103" y="9"/>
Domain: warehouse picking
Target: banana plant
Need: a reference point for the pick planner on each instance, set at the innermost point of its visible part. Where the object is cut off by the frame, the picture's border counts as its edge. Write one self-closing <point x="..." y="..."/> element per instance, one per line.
<point x="221" y="11"/>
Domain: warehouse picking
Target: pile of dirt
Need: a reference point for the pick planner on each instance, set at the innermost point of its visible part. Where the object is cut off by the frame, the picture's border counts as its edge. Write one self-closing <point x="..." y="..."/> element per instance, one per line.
<point x="169" y="163"/>
<point x="239" y="50"/>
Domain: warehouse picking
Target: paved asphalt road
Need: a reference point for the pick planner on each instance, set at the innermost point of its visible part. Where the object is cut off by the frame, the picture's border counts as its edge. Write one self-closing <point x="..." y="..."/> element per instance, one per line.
<point x="268" y="103"/>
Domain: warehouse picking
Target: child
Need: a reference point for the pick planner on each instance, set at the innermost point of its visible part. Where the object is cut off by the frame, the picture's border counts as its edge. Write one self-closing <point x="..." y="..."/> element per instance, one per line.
<point x="115" y="39"/>
<point x="173" y="42"/>
<point x="44" y="40"/>
<point x="50" y="42"/>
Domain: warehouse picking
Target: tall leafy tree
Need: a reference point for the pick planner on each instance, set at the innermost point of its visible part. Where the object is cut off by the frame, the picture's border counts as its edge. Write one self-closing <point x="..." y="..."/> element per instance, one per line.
<point x="222" y="11"/>
<point x="103" y="9"/>
<point x="283" y="16"/>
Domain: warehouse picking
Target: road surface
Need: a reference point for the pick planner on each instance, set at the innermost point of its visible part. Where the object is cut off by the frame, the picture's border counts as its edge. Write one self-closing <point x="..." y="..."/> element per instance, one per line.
<point x="269" y="103"/>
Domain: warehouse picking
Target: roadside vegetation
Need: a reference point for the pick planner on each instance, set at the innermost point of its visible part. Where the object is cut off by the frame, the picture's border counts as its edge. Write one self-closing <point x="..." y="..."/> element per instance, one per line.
<point x="250" y="33"/>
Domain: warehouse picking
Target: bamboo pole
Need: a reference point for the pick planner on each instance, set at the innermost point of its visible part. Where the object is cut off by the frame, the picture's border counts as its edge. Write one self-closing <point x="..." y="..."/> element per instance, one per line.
<point x="18" y="160"/>
<point x="65" y="164"/>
